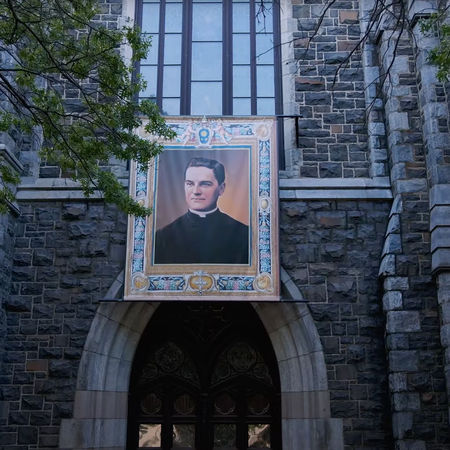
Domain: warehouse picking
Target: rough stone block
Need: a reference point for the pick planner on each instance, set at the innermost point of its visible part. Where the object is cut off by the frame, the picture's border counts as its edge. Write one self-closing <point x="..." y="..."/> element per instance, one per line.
<point x="43" y="257"/>
<point x="402" y="422"/>
<point x="392" y="244"/>
<point x="409" y="186"/>
<point x="403" y="322"/>
<point x="407" y="401"/>
<point x="396" y="284"/>
<point x="411" y="445"/>
<point x="309" y="84"/>
<point x="392" y="300"/>
<point x="387" y="266"/>
<point x="445" y="335"/>
<point x="81" y="230"/>
<point x="403" y="361"/>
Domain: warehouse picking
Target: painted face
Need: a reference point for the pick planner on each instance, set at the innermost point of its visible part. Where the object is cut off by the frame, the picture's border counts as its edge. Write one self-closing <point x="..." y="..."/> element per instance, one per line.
<point x="202" y="189"/>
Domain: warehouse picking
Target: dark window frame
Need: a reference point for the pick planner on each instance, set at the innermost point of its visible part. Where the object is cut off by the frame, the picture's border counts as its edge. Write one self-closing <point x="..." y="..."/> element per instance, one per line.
<point x="227" y="62"/>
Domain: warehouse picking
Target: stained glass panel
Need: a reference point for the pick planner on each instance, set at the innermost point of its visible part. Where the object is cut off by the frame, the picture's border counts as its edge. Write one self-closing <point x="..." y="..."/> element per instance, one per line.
<point x="259" y="436"/>
<point x="151" y="404"/>
<point x="184" y="404"/>
<point x="258" y="404"/>
<point x="183" y="436"/>
<point x="149" y="435"/>
<point x="224" y="404"/>
<point x="225" y="436"/>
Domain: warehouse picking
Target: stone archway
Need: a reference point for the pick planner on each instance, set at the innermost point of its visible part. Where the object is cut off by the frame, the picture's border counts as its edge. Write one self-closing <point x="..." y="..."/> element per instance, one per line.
<point x="100" y="410"/>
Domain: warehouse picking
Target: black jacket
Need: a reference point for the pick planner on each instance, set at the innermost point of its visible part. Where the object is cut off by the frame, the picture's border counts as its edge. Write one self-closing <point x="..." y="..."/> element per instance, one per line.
<point x="214" y="239"/>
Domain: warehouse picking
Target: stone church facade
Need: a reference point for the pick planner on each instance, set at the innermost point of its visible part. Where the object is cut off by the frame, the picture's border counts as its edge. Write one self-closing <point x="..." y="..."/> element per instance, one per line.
<point x="362" y="336"/>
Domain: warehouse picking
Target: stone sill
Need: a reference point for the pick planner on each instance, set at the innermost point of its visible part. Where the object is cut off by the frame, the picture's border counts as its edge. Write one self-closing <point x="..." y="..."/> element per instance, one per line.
<point x="47" y="189"/>
<point x="335" y="189"/>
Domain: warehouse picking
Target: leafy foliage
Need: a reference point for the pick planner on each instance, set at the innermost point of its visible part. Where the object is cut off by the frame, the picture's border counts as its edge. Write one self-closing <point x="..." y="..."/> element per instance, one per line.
<point x="64" y="78"/>
<point x="440" y="55"/>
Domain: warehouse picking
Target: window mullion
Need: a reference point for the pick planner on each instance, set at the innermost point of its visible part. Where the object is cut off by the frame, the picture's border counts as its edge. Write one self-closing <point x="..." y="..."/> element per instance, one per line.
<point x="160" y="80"/>
<point x="253" y="57"/>
<point x="227" y="59"/>
<point x="277" y="62"/>
<point x="186" y="59"/>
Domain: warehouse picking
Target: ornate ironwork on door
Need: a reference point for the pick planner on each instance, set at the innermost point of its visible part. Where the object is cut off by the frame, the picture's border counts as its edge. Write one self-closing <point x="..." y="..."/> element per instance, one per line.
<point x="205" y="377"/>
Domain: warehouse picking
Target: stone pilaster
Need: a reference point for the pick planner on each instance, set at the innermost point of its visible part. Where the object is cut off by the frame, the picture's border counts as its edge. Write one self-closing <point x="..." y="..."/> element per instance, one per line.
<point x="409" y="298"/>
<point x="436" y="136"/>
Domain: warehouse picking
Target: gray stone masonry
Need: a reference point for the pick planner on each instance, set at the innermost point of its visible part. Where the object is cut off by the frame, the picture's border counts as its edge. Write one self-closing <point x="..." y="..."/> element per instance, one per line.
<point x="333" y="136"/>
<point x="415" y="356"/>
<point x="66" y="257"/>
<point x="331" y="250"/>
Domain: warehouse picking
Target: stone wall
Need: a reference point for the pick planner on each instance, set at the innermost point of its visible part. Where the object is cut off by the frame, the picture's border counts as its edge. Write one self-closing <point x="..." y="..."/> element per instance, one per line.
<point x="329" y="91"/>
<point x="66" y="257"/>
<point x="331" y="250"/>
<point x="68" y="254"/>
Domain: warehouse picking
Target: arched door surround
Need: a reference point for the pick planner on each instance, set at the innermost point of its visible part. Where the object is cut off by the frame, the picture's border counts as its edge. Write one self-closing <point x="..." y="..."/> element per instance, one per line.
<point x="101" y="400"/>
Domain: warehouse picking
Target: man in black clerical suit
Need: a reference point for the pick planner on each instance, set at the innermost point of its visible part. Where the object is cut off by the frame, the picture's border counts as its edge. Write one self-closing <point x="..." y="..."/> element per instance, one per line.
<point x="204" y="235"/>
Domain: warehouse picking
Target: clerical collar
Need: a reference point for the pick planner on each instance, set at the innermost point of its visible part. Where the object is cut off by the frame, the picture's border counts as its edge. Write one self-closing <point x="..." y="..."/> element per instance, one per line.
<point x="202" y="213"/>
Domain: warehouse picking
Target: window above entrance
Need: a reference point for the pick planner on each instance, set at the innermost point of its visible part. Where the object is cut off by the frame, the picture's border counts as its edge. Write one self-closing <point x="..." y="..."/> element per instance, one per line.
<point x="211" y="57"/>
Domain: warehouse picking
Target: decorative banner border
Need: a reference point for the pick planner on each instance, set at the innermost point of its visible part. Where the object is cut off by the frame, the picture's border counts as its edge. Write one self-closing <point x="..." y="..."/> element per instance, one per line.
<point x="256" y="281"/>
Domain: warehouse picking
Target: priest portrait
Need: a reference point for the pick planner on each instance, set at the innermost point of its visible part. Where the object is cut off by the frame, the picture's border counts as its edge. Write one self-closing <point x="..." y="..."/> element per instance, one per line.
<point x="203" y="234"/>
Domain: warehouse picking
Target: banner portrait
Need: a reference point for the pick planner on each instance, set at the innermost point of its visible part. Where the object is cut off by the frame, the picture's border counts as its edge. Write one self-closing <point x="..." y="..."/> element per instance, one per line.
<point x="213" y="233"/>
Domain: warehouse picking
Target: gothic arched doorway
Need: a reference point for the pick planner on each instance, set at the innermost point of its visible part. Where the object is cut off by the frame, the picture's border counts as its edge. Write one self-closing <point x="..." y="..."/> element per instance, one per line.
<point x="205" y="377"/>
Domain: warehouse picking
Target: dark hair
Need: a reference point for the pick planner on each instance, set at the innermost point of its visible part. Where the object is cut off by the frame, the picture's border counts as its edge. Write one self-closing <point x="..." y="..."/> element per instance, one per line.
<point x="215" y="166"/>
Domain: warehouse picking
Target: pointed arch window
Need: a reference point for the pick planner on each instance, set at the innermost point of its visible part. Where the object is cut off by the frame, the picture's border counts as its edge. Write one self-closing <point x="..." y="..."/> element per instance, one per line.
<point x="211" y="57"/>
